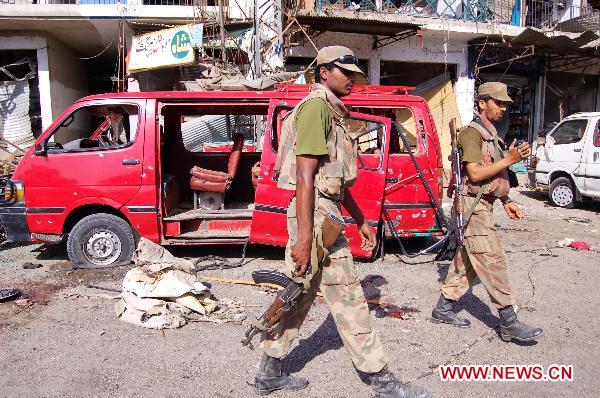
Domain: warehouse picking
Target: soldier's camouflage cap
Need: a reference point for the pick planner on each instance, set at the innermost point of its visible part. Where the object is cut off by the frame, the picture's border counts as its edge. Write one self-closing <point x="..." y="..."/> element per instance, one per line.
<point x="495" y="90"/>
<point x="340" y="56"/>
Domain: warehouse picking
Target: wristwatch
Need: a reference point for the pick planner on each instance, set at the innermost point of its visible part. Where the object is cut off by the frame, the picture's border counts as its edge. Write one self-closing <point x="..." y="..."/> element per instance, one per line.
<point x="506" y="200"/>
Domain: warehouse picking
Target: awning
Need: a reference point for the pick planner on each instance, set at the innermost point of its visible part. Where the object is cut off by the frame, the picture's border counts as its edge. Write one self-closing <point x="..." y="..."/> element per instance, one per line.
<point x="564" y="43"/>
<point x="367" y="23"/>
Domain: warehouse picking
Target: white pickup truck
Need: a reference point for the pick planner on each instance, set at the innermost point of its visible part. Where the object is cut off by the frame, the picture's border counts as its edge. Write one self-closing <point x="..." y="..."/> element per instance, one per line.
<point x="567" y="162"/>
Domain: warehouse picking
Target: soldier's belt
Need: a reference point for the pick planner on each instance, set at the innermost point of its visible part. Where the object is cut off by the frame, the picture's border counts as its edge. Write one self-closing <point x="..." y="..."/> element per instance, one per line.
<point x="324" y="196"/>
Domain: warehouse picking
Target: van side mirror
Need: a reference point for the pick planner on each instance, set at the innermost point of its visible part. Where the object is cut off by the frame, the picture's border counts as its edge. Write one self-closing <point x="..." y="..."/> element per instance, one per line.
<point x="40" y="150"/>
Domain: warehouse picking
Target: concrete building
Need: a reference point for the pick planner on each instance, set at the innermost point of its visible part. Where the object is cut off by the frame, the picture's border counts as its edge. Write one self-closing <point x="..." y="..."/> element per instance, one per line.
<point x="546" y="52"/>
<point x="78" y="47"/>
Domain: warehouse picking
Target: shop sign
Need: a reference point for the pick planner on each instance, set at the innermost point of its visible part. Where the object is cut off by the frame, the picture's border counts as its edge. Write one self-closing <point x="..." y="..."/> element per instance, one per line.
<point x="164" y="48"/>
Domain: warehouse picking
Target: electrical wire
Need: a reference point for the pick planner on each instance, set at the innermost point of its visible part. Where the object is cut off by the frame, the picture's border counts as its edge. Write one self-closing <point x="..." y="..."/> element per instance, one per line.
<point x="100" y="53"/>
<point x="218" y="262"/>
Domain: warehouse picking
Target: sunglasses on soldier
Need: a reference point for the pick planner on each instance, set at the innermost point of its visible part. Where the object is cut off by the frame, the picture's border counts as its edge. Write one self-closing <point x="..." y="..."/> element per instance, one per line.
<point x="347" y="59"/>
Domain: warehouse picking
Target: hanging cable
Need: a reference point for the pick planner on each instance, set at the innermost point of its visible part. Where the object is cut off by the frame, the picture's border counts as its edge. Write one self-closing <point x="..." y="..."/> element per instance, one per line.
<point x="211" y="262"/>
<point x="100" y="53"/>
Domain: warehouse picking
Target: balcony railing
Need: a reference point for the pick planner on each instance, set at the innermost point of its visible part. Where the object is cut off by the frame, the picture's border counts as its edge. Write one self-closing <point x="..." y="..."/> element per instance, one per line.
<point x="107" y="2"/>
<point x="537" y="13"/>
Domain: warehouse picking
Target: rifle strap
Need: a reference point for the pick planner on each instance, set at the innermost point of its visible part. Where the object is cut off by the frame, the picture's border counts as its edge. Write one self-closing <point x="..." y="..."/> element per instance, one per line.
<point x="467" y="216"/>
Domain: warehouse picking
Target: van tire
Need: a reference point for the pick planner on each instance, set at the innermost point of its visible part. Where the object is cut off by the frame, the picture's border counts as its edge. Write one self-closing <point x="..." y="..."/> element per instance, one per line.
<point x="563" y="193"/>
<point x="100" y="241"/>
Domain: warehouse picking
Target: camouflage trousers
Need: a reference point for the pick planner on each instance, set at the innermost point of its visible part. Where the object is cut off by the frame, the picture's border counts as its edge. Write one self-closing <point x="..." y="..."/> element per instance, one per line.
<point x="341" y="289"/>
<point x="480" y="257"/>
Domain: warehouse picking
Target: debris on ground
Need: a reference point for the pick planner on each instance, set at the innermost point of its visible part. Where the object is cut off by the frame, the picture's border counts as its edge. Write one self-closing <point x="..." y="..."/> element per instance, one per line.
<point x="580" y="245"/>
<point x="151" y="257"/>
<point x="566" y="242"/>
<point x="574" y="244"/>
<point x="29" y="265"/>
<point x="23" y="302"/>
<point x="394" y="311"/>
<point x="161" y="291"/>
<point x="7" y="294"/>
<point x="578" y="220"/>
<point x="229" y="311"/>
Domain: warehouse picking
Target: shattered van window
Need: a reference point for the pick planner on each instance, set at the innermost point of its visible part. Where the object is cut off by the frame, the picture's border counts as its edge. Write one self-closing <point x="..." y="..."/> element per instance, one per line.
<point x="403" y="121"/>
<point x="97" y="127"/>
<point x="569" y="132"/>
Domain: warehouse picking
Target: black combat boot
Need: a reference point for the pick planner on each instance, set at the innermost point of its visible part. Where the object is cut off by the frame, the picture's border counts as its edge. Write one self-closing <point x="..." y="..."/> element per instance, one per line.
<point x="270" y="377"/>
<point x="512" y="328"/>
<point x="443" y="313"/>
<point x="386" y="385"/>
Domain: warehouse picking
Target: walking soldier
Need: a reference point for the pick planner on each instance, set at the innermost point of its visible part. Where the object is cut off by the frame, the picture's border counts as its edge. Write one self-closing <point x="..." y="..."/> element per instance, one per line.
<point x="317" y="159"/>
<point x="486" y="180"/>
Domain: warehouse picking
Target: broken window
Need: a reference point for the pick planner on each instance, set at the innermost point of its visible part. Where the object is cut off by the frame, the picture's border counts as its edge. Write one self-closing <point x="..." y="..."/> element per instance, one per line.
<point x="569" y="132"/>
<point x="97" y="127"/>
<point x="402" y="121"/>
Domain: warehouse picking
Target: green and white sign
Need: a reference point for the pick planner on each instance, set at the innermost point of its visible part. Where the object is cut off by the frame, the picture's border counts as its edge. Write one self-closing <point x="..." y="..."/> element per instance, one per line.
<point x="164" y="48"/>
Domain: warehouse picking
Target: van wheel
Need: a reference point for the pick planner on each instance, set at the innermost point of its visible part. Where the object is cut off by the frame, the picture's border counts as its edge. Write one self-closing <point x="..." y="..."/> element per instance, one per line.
<point x="562" y="193"/>
<point x="99" y="241"/>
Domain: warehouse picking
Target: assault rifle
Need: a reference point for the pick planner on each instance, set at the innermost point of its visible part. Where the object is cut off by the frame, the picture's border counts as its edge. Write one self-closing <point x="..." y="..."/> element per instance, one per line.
<point x="453" y="241"/>
<point x="285" y="301"/>
<point x="457" y="220"/>
<point x="287" y="298"/>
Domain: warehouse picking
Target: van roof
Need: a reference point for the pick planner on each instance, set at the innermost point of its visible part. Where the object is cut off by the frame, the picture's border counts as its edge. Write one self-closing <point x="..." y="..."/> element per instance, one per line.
<point x="359" y="92"/>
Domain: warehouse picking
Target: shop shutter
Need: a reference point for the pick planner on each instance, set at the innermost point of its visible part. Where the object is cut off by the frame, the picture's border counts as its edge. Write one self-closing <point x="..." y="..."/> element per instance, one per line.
<point x="15" y="123"/>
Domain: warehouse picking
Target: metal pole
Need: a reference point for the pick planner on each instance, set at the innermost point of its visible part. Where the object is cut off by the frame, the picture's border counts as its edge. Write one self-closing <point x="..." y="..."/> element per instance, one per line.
<point x="257" y="45"/>
<point x="222" y="28"/>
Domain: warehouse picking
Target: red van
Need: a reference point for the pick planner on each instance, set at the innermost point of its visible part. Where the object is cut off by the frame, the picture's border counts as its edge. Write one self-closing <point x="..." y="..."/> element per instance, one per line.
<point x="191" y="168"/>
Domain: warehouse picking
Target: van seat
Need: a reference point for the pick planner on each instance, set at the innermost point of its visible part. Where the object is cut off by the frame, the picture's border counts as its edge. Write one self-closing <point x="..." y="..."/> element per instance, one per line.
<point x="218" y="181"/>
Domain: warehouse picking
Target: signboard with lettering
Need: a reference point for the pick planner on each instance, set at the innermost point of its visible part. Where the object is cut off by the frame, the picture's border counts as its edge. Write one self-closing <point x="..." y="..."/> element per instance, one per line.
<point x="164" y="48"/>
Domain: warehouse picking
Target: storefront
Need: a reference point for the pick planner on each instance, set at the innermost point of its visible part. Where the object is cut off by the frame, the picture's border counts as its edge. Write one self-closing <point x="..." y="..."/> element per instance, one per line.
<point x="548" y="77"/>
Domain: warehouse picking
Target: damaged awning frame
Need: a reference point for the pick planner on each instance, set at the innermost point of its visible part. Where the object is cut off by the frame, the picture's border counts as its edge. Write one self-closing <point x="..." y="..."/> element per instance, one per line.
<point x="565" y="63"/>
<point x="384" y="41"/>
<point x="529" y="51"/>
<point x="573" y="51"/>
<point x="386" y="32"/>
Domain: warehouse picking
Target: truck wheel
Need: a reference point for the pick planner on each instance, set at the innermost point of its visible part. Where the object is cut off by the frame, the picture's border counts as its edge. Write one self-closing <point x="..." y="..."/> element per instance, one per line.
<point x="562" y="193"/>
<point x="100" y="240"/>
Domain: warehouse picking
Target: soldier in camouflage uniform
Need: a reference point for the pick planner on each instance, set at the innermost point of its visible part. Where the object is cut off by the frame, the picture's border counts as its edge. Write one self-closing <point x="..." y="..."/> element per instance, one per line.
<point x="486" y="181"/>
<point x="317" y="159"/>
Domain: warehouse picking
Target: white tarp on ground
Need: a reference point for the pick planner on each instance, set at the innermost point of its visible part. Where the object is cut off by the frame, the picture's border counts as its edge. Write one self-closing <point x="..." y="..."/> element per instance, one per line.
<point x="161" y="292"/>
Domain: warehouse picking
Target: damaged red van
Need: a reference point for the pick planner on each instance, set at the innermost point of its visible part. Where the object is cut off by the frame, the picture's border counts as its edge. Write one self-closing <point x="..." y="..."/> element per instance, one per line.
<point x="191" y="168"/>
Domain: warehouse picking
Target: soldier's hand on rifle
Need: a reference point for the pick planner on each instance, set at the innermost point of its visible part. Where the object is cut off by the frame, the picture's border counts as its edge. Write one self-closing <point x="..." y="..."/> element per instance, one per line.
<point x="301" y="256"/>
<point x="518" y="153"/>
<point x="367" y="237"/>
<point x="514" y="211"/>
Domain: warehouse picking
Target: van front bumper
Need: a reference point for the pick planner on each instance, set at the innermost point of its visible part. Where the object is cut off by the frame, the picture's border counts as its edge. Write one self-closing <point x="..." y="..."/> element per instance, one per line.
<point x="14" y="222"/>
